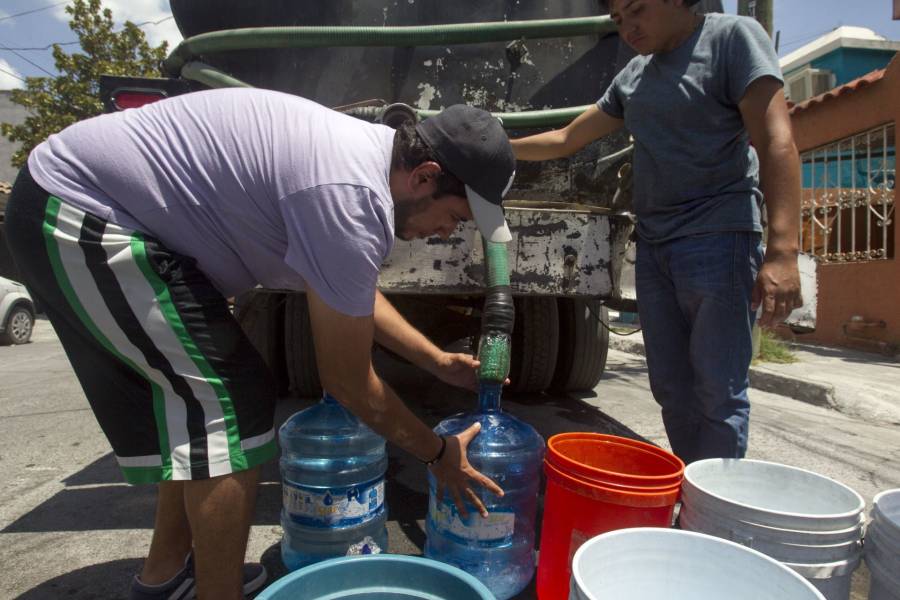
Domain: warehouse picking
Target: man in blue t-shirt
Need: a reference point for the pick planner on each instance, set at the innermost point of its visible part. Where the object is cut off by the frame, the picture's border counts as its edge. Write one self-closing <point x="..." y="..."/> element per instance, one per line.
<point x="704" y="102"/>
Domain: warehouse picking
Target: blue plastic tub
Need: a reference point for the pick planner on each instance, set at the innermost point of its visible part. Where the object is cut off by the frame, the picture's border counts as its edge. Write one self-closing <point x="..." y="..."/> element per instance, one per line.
<point x="377" y="577"/>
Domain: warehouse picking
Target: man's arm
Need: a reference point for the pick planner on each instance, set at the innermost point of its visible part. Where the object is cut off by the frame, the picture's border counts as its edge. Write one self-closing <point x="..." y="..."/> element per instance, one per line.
<point x="344" y="356"/>
<point x="766" y="119"/>
<point x="397" y="335"/>
<point x="590" y="125"/>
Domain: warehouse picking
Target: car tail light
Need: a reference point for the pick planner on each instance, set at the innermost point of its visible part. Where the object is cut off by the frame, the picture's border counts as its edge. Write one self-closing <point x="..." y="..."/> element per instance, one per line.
<point x="124" y="99"/>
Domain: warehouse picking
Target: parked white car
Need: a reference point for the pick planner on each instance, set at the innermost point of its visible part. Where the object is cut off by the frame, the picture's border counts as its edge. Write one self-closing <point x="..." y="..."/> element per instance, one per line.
<point x="16" y="313"/>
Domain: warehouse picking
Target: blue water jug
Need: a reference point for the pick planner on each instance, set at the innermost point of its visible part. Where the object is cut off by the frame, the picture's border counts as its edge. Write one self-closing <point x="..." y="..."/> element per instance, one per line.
<point x="498" y="550"/>
<point x="332" y="473"/>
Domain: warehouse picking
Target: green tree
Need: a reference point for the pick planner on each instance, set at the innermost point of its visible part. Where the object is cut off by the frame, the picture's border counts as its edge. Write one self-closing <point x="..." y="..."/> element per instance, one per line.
<point x="54" y="103"/>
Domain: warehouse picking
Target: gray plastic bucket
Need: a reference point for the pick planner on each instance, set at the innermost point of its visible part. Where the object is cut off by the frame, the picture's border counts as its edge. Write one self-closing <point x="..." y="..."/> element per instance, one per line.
<point x="648" y="562"/>
<point x="810" y="523"/>
<point x="883" y="546"/>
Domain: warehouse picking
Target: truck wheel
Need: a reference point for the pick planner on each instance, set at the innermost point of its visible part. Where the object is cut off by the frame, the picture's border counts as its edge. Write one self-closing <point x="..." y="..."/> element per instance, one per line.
<point x="300" y="353"/>
<point x="535" y="341"/>
<point x="261" y="316"/>
<point x="583" y="344"/>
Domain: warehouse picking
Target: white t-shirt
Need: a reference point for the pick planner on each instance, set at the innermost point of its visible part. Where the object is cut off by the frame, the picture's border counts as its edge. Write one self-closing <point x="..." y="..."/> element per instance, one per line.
<point x="260" y="187"/>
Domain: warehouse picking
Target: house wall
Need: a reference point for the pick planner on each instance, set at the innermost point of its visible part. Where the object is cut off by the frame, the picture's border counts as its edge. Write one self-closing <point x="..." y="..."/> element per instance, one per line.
<point x="870" y="290"/>
<point x="849" y="63"/>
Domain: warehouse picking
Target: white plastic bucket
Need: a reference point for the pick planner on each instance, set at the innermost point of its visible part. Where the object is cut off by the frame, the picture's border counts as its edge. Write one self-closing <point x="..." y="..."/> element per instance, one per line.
<point x="771" y="494"/>
<point x="885" y="582"/>
<point x="640" y="563"/>
<point x="883" y="546"/>
<point x="886" y="516"/>
<point x="805" y="546"/>
<point x="832" y="579"/>
<point x="811" y="523"/>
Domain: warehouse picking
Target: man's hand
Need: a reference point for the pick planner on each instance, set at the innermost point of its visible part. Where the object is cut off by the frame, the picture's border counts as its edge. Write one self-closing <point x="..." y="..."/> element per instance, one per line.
<point x="458" y="369"/>
<point x="455" y="475"/>
<point x="777" y="288"/>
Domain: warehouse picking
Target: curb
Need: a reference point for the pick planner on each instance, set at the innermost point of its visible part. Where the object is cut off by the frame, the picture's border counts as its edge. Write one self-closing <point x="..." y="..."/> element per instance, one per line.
<point x="761" y="378"/>
<point x="804" y="390"/>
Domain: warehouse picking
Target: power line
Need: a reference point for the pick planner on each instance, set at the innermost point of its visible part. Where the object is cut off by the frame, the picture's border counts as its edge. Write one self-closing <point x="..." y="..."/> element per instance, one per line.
<point x="2" y="70"/>
<point x="28" y="12"/>
<point x="28" y="60"/>
<point x="47" y="47"/>
<point x="142" y="23"/>
<point x="50" y="45"/>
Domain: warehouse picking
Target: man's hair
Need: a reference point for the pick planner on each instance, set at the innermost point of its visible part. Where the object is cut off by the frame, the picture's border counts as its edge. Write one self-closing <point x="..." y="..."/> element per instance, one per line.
<point x="410" y="151"/>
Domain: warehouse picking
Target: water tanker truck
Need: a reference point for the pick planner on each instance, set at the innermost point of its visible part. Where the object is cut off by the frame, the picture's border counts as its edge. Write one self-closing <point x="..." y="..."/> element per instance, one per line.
<point x="536" y="65"/>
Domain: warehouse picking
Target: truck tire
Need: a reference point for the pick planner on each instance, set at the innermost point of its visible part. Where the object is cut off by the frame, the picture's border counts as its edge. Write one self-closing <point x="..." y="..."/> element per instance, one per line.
<point x="535" y="341"/>
<point x="583" y="345"/>
<point x="261" y="316"/>
<point x="303" y="373"/>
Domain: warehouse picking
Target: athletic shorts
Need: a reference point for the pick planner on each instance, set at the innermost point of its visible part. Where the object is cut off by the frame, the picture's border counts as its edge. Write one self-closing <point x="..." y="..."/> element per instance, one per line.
<point x="176" y="386"/>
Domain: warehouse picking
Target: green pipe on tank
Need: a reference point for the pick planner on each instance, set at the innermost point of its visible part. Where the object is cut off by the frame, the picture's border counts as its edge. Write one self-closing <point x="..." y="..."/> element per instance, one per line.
<point x="211" y="76"/>
<point x="404" y="36"/>
<point x="554" y="117"/>
<point x="526" y="119"/>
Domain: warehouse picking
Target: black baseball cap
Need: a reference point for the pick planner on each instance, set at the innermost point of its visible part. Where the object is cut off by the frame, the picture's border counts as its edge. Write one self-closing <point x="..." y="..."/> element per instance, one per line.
<point x="471" y="144"/>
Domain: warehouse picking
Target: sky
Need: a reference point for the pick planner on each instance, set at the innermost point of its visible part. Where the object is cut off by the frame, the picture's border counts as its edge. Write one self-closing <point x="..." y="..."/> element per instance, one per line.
<point x="23" y="38"/>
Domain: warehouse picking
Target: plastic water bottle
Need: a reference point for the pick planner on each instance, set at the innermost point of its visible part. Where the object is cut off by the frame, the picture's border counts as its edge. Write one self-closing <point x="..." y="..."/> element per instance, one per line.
<point x="498" y="550"/>
<point x="332" y="470"/>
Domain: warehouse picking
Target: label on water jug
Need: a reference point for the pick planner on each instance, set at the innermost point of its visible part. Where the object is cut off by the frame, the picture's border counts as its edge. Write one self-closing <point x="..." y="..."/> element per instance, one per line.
<point x="498" y="526"/>
<point x="333" y="507"/>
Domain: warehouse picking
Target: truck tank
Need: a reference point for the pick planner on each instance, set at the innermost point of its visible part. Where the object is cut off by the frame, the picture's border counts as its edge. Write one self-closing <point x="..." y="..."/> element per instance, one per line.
<point x="497" y="76"/>
<point x="502" y="76"/>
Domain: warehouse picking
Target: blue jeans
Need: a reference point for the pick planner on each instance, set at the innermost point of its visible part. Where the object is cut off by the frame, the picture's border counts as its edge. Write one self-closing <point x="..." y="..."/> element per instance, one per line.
<point x="694" y="303"/>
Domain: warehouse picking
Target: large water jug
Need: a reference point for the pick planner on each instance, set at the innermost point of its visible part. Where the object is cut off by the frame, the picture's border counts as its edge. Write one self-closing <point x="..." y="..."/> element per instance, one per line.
<point x="499" y="549"/>
<point x="332" y="471"/>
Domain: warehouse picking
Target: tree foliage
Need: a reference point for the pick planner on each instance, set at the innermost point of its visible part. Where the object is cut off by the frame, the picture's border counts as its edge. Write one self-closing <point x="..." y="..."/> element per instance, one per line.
<point x="54" y="103"/>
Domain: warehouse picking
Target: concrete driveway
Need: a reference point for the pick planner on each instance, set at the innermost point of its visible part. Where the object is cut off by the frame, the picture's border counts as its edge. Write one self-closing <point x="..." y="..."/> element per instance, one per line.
<point x="69" y="527"/>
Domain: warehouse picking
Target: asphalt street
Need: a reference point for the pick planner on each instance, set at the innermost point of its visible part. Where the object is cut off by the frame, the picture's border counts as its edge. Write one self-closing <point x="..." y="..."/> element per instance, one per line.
<point x="69" y="527"/>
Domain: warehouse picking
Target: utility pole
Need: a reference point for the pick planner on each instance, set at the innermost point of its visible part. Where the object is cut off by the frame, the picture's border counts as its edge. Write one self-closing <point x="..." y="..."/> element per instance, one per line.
<point x="761" y="10"/>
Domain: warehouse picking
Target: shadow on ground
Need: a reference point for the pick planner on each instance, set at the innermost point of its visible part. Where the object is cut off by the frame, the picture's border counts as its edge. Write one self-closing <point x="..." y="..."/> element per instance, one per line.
<point x="100" y="581"/>
<point x="75" y="508"/>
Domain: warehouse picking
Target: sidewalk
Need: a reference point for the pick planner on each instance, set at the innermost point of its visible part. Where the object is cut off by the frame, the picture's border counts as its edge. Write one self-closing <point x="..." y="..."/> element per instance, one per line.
<point x="857" y="384"/>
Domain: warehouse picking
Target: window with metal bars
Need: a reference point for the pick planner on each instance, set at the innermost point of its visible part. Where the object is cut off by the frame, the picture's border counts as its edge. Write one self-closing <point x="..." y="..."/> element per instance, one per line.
<point x="847" y="210"/>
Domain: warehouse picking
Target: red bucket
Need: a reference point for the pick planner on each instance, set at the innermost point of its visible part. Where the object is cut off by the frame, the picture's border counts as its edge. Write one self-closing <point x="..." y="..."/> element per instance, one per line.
<point x="597" y="483"/>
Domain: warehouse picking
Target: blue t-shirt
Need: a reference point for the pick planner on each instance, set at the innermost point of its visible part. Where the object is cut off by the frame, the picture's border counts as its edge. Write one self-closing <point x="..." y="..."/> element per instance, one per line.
<point x="694" y="169"/>
<point x="259" y="187"/>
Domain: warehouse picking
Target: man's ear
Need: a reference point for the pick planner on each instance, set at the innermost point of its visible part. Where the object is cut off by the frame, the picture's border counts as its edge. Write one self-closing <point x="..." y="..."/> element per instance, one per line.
<point x="423" y="178"/>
